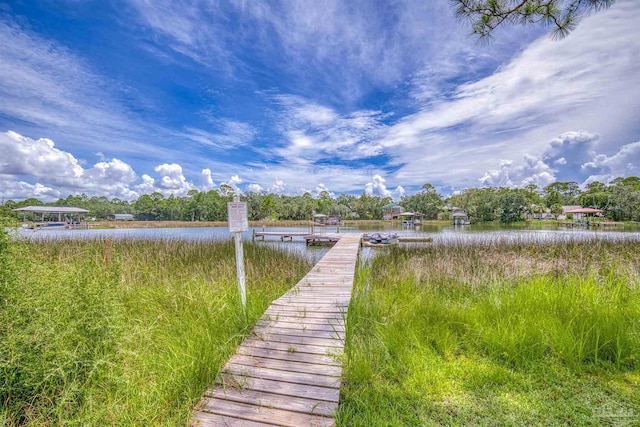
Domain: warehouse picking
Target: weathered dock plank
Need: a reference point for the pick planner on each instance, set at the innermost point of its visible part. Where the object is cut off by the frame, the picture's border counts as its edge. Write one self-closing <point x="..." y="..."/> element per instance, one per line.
<point x="282" y="375"/>
<point x="303" y="324"/>
<point x="261" y="414"/>
<point x="287" y="372"/>
<point x="293" y="339"/>
<point x="289" y="366"/>
<point x="293" y="348"/>
<point x="308" y="391"/>
<point x="276" y="401"/>
<point x="289" y="356"/>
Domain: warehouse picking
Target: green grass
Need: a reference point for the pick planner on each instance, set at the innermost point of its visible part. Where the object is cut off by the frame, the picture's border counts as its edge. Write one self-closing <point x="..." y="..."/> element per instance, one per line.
<point x="124" y="332"/>
<point x="132" y="332"/>
<point x="496" y="334"/>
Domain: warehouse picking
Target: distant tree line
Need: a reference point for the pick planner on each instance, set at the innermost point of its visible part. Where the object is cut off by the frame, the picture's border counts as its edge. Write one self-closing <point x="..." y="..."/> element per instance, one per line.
<point x="620" y="201"/>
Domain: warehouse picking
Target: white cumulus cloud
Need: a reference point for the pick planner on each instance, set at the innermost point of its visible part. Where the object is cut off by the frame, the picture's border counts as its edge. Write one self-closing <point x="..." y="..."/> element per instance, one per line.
<point x="254" y="188"/>
<point x="571" y="156"/>
<point x="278" y="187"/>
<point x="377" y="187"/>
<point x="206" y="181"/>
<point x="147" y="186"/>
<point x="56" y="171"/>
<point x="322" y="188"/>
<point x="40" y="158"/>
<point x="172" y="179"/>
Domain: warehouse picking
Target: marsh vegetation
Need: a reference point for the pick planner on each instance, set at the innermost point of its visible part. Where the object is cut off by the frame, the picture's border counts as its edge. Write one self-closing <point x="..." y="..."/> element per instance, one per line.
<point x="496" y="334"/>
<point x="123" y="332"/>
<point x="130" y="332"/>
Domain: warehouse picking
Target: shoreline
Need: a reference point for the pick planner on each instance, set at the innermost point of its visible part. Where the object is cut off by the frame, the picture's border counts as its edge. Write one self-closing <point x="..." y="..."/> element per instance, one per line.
<point x="198" y="224"/>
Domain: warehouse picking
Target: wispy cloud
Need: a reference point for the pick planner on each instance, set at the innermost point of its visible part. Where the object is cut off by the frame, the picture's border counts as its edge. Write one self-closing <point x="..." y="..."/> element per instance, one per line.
<point x="590" y="81"/>
<point x="42" y="82"/>
<point x="188" y="28"/>
<point x="317" y="133"/>
<point x="45" y="86"/>
<point x="285" y="95"/>
<point x="345" y="48"/>
<point x="230" y="134"/>
<point x="48" y="90"/>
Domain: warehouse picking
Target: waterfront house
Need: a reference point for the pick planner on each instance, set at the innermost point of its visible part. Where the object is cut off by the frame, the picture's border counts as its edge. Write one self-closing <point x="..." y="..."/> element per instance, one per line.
<point x="123" y="217"/>
<point x="566" y="209"/>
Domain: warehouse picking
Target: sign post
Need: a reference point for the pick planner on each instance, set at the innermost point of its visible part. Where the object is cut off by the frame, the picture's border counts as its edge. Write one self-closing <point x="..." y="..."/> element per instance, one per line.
<point x="238" y="222"/>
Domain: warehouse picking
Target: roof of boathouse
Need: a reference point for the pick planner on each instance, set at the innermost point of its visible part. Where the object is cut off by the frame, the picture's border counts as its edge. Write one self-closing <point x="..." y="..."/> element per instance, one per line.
<point x="568" y="208"/>
<point x="52" y="209"/>
<point x="584" y="211"/>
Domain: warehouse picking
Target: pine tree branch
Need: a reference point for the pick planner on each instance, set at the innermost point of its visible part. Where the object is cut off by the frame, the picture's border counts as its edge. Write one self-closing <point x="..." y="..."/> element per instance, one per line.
<point x="487" y="15"/>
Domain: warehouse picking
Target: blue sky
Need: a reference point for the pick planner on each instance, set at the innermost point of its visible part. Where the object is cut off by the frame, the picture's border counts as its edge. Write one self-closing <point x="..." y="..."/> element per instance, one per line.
<point x="128" y="97"/>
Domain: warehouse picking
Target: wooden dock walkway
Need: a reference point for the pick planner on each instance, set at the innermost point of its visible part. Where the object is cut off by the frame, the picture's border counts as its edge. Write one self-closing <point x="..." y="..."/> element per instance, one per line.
<point x="287" y="372"/>
<point x="590" y="224"/>
<point x="283" y="235"/>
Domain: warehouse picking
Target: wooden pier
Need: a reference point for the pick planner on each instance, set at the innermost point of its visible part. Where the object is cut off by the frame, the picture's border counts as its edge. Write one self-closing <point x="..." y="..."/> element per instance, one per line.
<point x="310" y="238"/>
<point x="322" y="239"/>
<point x="283" y="235"/>
<point x="405" y="239"/>
<point x="287" y="372"/>
<point x="572" y="224"/>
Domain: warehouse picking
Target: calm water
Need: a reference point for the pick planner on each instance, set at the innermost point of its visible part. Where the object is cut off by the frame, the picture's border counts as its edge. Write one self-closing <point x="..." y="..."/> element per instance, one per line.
<point x="441" y="234"/>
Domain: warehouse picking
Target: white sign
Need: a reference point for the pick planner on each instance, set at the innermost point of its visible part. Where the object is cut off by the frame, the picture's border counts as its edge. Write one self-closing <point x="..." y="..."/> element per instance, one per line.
<point x="238" y="218"/>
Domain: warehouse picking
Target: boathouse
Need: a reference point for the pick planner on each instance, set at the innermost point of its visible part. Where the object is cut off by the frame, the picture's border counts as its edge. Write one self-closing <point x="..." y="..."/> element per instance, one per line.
<point x="54" y="216"/>
<point x="583" y="214"/>
<point x="123" y="217"/>
<point x="409" y="219"/>
<point x="460" y="218"/>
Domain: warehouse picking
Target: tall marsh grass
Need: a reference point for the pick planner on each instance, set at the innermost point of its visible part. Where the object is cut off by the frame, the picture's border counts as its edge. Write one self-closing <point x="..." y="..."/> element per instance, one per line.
<point x="496" y="334"/>
<point x="123" y="332"/>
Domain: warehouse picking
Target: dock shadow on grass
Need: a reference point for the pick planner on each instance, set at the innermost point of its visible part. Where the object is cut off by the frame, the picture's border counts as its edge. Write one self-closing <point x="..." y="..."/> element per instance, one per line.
<point x="430" y="343"/>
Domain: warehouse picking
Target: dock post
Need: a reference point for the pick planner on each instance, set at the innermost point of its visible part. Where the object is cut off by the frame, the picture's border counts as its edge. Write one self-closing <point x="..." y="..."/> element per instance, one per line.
<point x="238" y="222"/>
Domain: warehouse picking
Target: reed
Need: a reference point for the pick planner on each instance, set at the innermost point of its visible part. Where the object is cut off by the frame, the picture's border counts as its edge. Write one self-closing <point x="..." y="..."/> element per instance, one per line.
<point x="496" y="334"/>
<point x="124" y="332"/>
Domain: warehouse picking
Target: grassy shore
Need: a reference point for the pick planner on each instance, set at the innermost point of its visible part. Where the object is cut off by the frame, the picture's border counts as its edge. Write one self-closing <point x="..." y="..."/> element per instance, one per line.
<point x="123" y="333"/>
<point x="496" y="334"/>
<point x="130" y="332"/>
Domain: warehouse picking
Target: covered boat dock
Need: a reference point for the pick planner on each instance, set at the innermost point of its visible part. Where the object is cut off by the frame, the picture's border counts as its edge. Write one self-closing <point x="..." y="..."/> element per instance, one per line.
<point x="55" y="216"/>
<point x="589" y="217"/>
